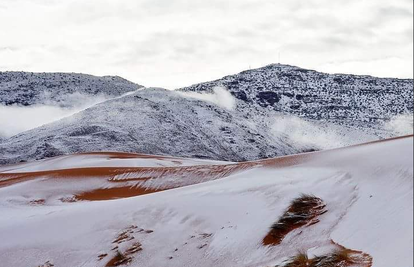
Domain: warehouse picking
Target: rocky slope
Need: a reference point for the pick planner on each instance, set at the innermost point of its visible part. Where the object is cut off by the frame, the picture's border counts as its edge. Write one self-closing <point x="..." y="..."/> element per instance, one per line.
<point x="153" y="121"/>
<point x="60" y="89"/>
<point x="361" y="101"/>
<point x="277" y="110"/>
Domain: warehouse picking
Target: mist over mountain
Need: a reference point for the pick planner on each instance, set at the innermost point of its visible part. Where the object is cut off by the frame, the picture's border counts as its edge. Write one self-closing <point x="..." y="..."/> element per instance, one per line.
<point x="353" y="100"/>
<point x="59" y="89"/>
<point x="29" y="100"/>
<point x="271" y="111"/>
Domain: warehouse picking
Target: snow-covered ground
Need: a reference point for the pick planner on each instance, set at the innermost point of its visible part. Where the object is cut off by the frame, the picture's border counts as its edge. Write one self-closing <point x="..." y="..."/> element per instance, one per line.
<point x="368" y="190"/>
<point x="104" y="160"/>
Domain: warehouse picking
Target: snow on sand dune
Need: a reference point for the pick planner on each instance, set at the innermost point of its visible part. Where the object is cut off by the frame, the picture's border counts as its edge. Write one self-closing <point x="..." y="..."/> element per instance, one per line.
<point x="366" y="191"/>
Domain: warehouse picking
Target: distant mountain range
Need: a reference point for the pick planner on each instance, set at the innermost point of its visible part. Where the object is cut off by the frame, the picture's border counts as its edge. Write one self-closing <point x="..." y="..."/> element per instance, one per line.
<point x="60" y="89"/>
<point x="271" y="111"/>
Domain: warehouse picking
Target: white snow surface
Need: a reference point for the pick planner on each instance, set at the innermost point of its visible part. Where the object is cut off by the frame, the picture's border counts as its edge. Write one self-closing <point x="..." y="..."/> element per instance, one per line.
<point x="104" y="160"/>
<point x="368" y="190"/>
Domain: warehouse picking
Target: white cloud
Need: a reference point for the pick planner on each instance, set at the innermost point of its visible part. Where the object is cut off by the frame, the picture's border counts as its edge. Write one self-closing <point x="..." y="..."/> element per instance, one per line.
<point x="400" y="125"/>
<point x="220" y="96"/>
<point x="178" y="43"/>
<point x="327" y="136"/>
<point x="16" y="119"/>
<point x="304" y="132"/>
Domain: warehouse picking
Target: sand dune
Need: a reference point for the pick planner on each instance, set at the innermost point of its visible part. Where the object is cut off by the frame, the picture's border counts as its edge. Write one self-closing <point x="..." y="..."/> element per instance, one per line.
<point x="97" y="209"/>
<point x="111" y="175"/>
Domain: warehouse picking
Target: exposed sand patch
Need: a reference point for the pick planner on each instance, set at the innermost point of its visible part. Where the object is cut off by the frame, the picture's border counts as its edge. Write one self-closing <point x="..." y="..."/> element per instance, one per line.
<point x="37" y="202"/>
<point x="10" y="179"/>
<point x="125" y="155"/>
<point x="339" y="257"/>
<point x="114" y="193"/>
<point x="47" y="264"/>
<point x="127" y="255"/>
<point x="127" y="182"/>
<point x="303" y="211"/>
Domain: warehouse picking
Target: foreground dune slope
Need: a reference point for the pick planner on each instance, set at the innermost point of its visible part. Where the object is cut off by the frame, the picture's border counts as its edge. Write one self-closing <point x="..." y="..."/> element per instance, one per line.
<point x="203" y="213"/>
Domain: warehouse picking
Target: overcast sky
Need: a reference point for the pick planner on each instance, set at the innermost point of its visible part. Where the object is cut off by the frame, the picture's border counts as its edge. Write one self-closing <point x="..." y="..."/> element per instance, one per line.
<point x="174" y="43"/>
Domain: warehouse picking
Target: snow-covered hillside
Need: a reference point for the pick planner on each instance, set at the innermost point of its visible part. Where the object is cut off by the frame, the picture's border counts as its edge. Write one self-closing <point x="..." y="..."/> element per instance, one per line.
<point x="257" y="120"/>
<point x="58" y="89"/>
<point x="221" y="219"/>
<point x="29" y="100"/>
<point x="152" y="121"/>
<point x="163" y="122"/>
<point x="360" y="101"/>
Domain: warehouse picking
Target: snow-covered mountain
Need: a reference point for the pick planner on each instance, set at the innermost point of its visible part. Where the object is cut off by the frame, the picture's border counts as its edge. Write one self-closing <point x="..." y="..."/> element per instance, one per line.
<point x="271" y="111"/>
<point x="60" y="89"/>
<point x="152" y="121"/>
<point x="352" y="100"/>
<point x="90" y="210"/>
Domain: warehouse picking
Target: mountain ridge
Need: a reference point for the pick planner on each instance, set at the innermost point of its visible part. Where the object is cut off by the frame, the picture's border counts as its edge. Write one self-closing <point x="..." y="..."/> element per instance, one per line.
<point x="58" y="88"/>
<point x="278" y="110"/>
<point x="294" y="86"/>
